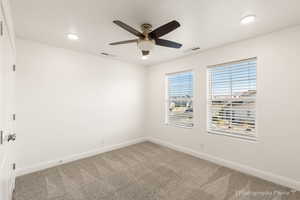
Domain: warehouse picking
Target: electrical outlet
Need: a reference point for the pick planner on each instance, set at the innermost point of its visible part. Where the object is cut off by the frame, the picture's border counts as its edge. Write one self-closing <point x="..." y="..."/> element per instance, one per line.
<point x="61" y="161"/>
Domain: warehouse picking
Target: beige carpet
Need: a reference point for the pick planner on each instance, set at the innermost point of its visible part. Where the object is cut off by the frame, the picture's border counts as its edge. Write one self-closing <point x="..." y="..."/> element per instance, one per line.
<point x="146" y="171"/>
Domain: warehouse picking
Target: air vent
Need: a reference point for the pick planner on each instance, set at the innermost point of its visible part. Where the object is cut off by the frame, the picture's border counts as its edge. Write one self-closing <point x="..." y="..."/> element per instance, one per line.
<point x="107" y="54"/>
<point x="195" y="49"/>
<point x="192" y="50"/>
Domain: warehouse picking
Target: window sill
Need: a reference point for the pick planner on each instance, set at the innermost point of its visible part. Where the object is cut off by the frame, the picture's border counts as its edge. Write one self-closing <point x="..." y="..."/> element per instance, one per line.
<point x="179" y="126"/>
<point x="242" y="137"/>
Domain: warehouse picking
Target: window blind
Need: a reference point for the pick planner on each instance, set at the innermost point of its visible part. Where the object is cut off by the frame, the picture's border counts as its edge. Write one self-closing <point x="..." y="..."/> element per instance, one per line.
<point x="180" y="99"/>
<point x="232" y="98"/>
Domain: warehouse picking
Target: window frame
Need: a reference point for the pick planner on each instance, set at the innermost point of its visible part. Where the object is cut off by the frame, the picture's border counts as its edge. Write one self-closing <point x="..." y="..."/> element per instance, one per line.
<point x="166" y="99"/>
<point x="251" y="137"/>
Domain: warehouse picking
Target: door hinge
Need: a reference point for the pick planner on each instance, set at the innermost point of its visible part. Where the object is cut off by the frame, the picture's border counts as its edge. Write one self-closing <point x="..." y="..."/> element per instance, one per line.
<point x="1" y="28"/>
<point x="14" y="117"/>
<point x="14" y="166"/>
<point x="14" y="68"/>
<point x="1" y="137"/>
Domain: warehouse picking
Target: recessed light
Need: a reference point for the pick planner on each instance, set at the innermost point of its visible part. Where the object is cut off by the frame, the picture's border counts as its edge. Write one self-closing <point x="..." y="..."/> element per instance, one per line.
<point x="248" y="19"/>
<point x="144" y="57"/>
<point x="72" y="36"/>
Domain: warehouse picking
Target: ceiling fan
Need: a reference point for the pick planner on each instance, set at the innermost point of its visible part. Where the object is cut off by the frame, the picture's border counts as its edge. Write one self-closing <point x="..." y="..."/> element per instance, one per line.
<point x="148" y="38"/>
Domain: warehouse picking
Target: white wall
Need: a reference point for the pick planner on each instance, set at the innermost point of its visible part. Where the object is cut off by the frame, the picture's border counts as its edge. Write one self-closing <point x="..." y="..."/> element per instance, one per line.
<point x="278" y="105"/>
<point x="69" y="103"/>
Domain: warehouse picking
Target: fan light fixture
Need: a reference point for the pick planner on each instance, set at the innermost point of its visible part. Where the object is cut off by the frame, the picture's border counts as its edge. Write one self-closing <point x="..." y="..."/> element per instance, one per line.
<point x="248" y="19"/>
<point x="145" y="45"/>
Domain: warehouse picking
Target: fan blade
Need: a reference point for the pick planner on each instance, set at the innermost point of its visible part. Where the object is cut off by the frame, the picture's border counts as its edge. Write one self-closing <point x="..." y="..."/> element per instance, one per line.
<point x="145" y="53"/>
<point x="164" y="29"/>
<point x="129" y="29"/>
<point x="124" y="42"/>
<point x="167" y="43"/>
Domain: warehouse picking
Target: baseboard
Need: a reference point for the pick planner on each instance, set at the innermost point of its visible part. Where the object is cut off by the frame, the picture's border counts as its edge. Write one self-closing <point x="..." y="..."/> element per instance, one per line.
<point x="53" y="163"/>
<point x="284" y="181"/>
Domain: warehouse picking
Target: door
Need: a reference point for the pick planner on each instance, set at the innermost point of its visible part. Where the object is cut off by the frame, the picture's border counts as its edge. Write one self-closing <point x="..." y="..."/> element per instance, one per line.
<point x="7" y="114"/>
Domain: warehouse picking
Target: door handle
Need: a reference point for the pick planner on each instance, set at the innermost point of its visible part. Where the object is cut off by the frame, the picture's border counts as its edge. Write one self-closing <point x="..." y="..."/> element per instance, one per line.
<point x="11" y="137"/>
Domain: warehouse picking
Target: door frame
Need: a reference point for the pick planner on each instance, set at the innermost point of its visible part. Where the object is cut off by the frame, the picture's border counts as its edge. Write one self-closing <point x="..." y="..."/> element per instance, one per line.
<point x="5" y="7"/>
<point x="6" y="164"/>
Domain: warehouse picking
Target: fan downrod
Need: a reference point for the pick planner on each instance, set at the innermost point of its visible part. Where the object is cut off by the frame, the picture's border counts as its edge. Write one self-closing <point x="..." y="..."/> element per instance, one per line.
<point x="146" y="27"/>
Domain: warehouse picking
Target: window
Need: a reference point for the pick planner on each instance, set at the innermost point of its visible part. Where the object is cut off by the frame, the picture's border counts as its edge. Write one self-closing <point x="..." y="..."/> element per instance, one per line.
<point x="232" y="97"/>
<point x="179" y="99"/>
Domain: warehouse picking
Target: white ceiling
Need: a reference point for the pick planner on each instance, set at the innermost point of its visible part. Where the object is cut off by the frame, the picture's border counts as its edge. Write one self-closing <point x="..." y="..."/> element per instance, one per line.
<point x="204" y="23"/>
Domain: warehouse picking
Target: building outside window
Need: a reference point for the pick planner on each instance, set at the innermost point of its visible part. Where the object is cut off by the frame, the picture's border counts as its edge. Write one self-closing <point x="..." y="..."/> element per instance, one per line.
<point x="179" y="99"/>
<point x="232" y="98"/>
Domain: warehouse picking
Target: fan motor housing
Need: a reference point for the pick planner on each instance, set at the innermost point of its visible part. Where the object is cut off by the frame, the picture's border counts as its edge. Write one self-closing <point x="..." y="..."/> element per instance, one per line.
<point x="146" y="27"/>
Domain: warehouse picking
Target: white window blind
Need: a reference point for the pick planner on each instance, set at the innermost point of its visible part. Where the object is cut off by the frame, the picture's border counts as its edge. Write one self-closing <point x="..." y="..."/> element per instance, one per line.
<point x="232" y="98"/>
<point x="179" y="101"/>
